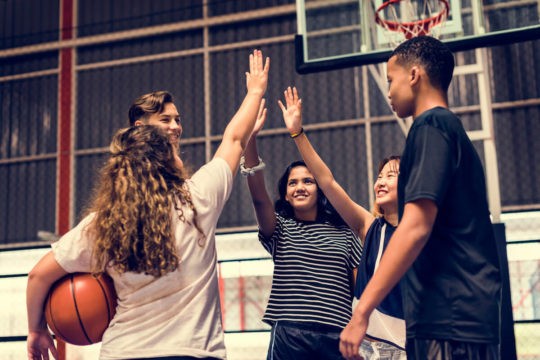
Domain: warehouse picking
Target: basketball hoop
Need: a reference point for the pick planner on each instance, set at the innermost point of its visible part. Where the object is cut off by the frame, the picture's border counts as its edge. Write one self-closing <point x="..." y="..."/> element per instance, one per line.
<point x="409" y="19"/>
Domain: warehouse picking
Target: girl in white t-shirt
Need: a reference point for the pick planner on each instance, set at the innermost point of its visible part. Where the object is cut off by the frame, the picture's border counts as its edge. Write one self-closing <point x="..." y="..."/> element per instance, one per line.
<point x="153" y="231"/>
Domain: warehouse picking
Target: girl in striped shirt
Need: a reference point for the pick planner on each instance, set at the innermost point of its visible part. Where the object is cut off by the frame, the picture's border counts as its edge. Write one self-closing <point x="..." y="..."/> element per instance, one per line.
<point x="314" y="254"/>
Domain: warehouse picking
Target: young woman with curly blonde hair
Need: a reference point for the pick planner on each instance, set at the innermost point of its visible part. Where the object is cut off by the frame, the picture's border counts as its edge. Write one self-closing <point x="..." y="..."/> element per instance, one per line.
<point x="153" y="231"/>
<point x="138" y="187"/>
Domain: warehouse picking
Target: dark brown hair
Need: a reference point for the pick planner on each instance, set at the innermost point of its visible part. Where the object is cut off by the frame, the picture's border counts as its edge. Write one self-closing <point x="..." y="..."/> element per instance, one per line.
<point x="148" y="104"/>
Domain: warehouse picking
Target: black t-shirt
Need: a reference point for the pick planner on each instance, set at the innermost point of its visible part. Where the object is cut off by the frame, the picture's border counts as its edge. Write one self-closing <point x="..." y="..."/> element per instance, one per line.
<point x="452" y="291"/>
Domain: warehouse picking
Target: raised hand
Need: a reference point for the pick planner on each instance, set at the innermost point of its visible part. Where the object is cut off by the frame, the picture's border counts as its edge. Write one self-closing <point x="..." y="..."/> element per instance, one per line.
<point x="239" y="130"/>
<point x="257" y="77"/>
<point x="261" y="118"/>
<point x="292" y="112"/>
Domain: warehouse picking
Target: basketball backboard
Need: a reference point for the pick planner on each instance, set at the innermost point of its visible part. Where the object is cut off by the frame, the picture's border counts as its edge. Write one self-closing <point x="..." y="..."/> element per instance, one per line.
<point x="335" y="34"/>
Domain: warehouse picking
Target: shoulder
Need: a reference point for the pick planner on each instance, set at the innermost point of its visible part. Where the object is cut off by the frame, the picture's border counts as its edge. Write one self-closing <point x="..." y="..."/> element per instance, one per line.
<point x="212" y="183"/>
<point x="440" y="118"/>
<point x="376" y="225"/>
<point x="378" y="222"/>
<point x="216" y="170"/>
<point x="283" y="219"/>
<point x="329" y="229"/>
<point x="436" y="125"/>
<point x="283" y="222"/>
<point x="216" y="163"/>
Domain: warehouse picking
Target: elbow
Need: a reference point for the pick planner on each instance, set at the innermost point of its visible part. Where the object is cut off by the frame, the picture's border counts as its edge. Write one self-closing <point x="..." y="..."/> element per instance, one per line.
<point x="327" y="182"/>
<point x="421" y="236"/>
<point x="46" y="271"/>
<point x="259" y="204"/>
<point x="35" y="276"/>
<point x="34" y="281"/>
<point x="236" y="138"/>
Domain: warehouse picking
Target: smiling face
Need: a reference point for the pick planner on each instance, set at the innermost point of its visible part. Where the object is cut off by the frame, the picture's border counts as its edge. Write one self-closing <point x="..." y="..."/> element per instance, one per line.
<point x="168" y="120"/>
<point x="302" y="193"/>
<point x="400" y="91"/>
<point x="385" y="187"/>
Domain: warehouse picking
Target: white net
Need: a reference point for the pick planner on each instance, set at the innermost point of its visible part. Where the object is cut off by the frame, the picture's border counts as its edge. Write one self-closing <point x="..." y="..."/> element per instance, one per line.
<point x="405" y="19"/>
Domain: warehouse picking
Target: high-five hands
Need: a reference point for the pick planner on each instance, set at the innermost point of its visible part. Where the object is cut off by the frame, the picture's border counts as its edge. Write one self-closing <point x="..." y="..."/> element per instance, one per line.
<point x="261" y="118"/>
<point x="257" y="77"/>
<point x="292" y="112"/>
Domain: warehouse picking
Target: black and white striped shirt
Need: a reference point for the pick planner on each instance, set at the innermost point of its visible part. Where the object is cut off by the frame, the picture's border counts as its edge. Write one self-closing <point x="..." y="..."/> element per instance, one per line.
<point x="313" y="265"/>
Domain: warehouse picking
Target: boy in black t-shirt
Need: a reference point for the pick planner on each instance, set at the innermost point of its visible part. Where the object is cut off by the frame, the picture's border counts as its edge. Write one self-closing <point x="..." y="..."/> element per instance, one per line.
<point x="444" y="246"/>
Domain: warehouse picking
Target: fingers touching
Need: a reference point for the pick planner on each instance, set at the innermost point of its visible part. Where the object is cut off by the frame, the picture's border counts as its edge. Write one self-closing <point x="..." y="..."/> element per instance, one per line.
<point x="257" y="77"/>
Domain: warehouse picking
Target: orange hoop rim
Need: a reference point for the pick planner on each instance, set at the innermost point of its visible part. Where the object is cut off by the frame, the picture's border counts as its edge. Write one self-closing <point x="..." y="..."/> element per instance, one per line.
<point x="408" y="27"/>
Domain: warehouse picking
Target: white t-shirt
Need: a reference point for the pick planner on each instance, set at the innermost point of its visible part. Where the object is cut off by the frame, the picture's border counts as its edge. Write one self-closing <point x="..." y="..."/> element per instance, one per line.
<point x="177" y="314"/>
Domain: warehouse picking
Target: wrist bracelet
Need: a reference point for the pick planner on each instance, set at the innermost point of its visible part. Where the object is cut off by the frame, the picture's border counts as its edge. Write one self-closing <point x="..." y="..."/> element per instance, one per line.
<point x="252" y="170"/>
<point x="298" y="133"/>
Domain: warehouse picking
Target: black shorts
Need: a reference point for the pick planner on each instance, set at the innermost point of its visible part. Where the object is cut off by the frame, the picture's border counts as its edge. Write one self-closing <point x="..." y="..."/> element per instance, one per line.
<point x="300" y="341"/>
<point x="431" y="349"/>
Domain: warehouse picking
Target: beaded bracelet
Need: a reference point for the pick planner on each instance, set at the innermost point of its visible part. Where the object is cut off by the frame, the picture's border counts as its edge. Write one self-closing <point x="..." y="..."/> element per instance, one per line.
<point x="252" y="170"/>
<point x="298" y="133"/>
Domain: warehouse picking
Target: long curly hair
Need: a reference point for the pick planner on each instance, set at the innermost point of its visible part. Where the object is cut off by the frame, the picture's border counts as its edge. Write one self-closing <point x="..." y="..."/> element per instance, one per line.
<point x="134" y="202"/>
<point x="325" y="210"/>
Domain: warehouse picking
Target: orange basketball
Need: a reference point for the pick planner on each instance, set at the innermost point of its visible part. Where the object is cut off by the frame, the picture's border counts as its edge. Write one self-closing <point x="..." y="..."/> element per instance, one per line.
<point x="80" y="306"/>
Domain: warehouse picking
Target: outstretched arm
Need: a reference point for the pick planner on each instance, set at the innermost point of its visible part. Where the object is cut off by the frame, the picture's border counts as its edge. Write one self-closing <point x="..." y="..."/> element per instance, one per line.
<point x="40" y="280"/>
<point x="358" y="218"/>
<point x="241" y="125"/>
<point x="264" y="209"/>
<point x="408" y="240"/>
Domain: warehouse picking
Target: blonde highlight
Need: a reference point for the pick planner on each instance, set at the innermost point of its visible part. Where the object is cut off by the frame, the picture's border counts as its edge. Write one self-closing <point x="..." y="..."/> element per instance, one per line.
<point x="134" y="203"/>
